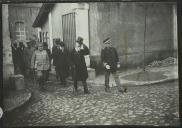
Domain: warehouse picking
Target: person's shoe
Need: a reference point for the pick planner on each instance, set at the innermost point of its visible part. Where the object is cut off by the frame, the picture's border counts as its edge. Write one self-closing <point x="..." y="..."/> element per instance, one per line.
<point x="64" y="84"/>
<point x="125" y="90"/>
<point x="87" y="92"/>
<point x="42" y="89"/>
<point x="107" y="90"/>
<point x="75" y="91"/>
<point x="121" y="91"/>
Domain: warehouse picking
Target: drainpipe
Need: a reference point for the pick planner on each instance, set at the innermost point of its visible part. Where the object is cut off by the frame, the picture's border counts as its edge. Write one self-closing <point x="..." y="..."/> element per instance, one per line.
<point x="175" y="27"/>
<point x="50" y="31"/>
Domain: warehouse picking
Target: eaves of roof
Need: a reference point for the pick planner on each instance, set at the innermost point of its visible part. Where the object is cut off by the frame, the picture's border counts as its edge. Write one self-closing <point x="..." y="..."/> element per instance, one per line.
<point x="42" y="15"/>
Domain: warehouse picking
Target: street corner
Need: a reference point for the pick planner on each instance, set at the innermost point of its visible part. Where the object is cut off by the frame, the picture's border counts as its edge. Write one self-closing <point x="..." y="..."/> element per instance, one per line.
<point x="148" y="77"/>
<point x="16" y="99"/>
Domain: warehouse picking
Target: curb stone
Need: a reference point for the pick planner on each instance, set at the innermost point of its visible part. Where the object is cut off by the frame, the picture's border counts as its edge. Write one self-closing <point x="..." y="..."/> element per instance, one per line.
<point x="7" y="109"/>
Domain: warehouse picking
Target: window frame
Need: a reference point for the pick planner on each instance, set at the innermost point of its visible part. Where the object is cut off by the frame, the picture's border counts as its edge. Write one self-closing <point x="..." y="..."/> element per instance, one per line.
<point x="20" y="33"/>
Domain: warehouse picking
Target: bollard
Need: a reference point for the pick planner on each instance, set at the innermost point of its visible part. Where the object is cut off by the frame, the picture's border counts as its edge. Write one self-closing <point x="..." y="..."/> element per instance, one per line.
<point x="19" y="82"/>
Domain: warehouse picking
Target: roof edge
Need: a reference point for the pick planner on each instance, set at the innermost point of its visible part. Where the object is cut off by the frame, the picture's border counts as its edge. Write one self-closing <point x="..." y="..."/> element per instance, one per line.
<point x="43" y="12"/>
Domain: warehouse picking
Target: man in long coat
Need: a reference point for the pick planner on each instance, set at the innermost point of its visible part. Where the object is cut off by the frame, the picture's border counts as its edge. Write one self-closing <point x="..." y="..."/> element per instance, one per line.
<point x="54" y="51"/>
<point x="45" y="45"/>
<point x="79" y="65"/>
<point x="28" y="52"/>
<point x="15" y="56"/>
<point x="20" y="58"/>
<point x="111" y="63"/>
<point x="62" y="62"/>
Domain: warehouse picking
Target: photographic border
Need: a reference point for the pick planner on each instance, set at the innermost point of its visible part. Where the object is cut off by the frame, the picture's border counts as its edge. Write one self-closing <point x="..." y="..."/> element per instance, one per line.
<point x="179" y="32"/>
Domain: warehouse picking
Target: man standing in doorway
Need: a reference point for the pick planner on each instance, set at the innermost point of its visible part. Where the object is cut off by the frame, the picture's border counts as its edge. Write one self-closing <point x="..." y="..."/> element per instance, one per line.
<point x="111" y="63"/>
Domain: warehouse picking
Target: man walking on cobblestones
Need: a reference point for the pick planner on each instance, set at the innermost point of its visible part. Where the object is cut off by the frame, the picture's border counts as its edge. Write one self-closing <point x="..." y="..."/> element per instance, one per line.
<point x="40" y="63"/>
<point x="79" y="65"/>
<point x="111" y="63"/>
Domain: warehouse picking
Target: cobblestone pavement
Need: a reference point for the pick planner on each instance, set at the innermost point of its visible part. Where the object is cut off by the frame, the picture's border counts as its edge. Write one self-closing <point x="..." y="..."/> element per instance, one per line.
<point x="141" y="105"/>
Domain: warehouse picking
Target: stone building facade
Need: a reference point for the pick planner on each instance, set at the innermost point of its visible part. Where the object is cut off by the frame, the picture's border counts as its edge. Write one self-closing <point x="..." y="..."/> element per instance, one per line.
<point x="135" y="29"/>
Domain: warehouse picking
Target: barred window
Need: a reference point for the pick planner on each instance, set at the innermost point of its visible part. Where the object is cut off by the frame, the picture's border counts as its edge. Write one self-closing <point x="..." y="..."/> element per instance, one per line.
<point x="20" y="30"/>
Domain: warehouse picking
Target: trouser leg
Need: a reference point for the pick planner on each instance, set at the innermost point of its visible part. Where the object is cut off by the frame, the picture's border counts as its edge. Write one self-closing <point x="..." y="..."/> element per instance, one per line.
<point x="62" y="79"/>
<point x="47" y="75"/>
<point x="75" y="85"/>
<point x="57" y="74"/>
<point x="118" y="83"/>
<point x="41" y="78"/>
<point x="107" y="75"/>
<point x="85" y="87"/>
<point x="44" y="72"/>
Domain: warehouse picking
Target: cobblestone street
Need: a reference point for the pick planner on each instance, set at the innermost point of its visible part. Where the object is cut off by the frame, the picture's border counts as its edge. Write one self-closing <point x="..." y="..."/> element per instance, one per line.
<point x="142" y="105"/>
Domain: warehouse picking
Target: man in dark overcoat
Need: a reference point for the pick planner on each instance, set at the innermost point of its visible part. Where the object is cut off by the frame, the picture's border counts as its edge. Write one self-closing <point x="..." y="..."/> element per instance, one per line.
<point x="79" y="64"/>
<point x="110" y="60"/>
<point x="15" y="56"/>
<point x="28" y="52"/>
<point x="20" y="54"/>
<point x="54" y="51"/>
<point x="45" y="46"/>
<point x="62" y="62"/>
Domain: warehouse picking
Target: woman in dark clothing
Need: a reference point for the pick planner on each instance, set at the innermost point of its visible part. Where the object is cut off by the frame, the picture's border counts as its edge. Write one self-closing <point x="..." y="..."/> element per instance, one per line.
<point x="79" y="65"/>
<point x="62" y="62"/>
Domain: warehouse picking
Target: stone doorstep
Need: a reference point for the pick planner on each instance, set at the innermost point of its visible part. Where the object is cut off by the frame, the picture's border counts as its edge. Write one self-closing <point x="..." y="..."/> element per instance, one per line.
<point x="20" y="103"/>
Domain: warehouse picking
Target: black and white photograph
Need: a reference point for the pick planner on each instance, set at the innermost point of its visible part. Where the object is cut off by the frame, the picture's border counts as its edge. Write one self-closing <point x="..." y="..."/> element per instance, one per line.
<point x="90" y="63"/>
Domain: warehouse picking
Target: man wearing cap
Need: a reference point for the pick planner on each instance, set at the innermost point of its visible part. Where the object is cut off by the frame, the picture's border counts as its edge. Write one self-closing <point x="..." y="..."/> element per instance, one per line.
<point x="110" y="60"/>
<point x="40" y="63"/>
<point x="79" y="65"/>
<point x="62" y="62"/>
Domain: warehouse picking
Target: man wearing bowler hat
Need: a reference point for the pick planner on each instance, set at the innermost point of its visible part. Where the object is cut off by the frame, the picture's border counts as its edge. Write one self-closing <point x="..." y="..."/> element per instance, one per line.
<point x="79" y="65"/>
<point x="111" y="63"/>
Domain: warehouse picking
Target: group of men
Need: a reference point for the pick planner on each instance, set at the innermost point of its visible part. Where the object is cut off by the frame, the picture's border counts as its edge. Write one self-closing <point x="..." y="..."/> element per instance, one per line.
<point x="22" y="56"/>
<point x="64" y="61"/>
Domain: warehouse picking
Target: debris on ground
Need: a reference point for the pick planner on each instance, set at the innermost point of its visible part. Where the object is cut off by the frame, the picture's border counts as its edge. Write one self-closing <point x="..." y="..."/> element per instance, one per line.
<point x="166" y="62"/>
